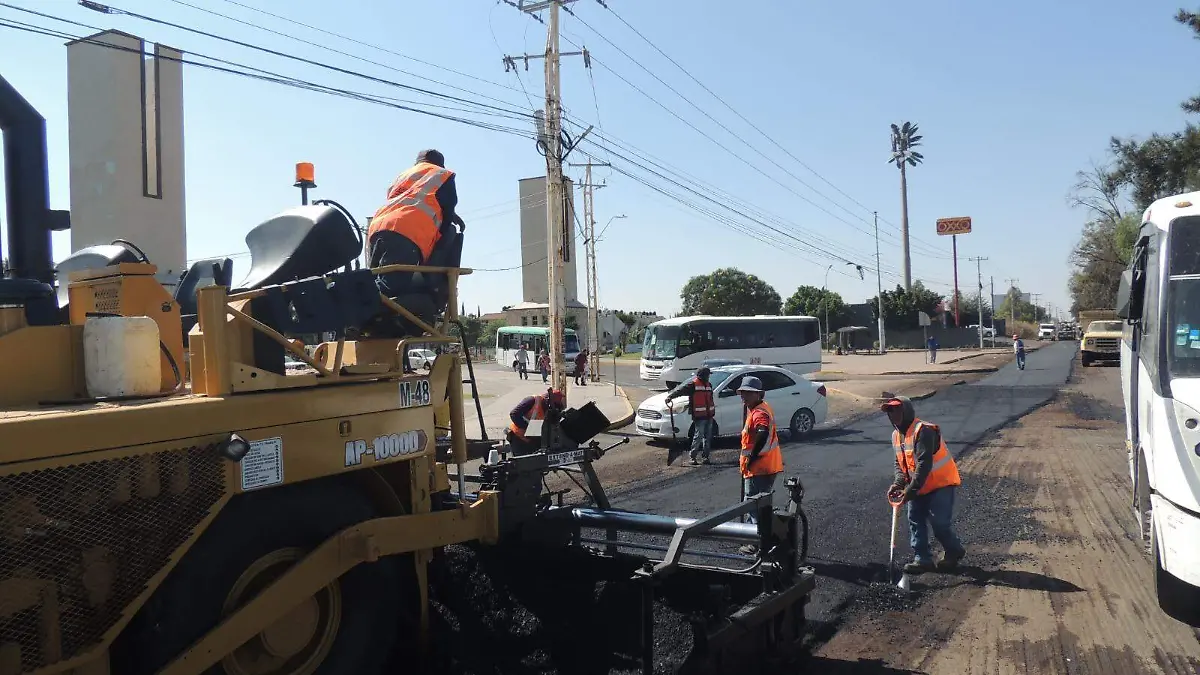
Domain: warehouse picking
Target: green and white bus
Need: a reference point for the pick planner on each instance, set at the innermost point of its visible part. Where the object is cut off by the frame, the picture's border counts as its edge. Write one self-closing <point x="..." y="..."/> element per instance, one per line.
<point x="509" y="339"/>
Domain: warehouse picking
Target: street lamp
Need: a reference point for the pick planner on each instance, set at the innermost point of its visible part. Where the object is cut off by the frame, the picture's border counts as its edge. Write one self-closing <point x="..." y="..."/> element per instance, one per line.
<point x="599" y="236"/>
<point x="825" y="293"/>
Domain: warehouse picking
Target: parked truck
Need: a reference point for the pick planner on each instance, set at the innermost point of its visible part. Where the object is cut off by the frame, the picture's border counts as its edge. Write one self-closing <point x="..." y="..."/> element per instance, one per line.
<point x="1101" y="339"/>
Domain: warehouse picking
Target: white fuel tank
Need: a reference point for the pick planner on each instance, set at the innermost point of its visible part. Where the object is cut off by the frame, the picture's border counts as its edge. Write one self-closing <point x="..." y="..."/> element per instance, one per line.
<point x="121" y="356"/>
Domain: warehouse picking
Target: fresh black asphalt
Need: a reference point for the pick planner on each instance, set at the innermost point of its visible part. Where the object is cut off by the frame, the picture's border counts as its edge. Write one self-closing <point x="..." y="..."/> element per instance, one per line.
<point x="846" y="472"/>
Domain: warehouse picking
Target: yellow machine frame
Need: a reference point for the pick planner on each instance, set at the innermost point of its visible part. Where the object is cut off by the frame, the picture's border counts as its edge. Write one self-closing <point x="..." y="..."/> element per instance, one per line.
<point x="62" y="453"/>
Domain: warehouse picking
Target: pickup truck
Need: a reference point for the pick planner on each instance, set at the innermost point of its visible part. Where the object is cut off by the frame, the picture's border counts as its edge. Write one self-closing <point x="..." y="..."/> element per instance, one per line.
<point x="1101" y="341"/>
<point x="1047" y="331"/>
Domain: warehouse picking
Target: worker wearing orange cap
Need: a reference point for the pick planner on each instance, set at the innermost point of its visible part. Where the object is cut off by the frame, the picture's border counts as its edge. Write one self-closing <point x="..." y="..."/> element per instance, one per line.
<point x="926" y="478"/>
<point x="529" y="409"/>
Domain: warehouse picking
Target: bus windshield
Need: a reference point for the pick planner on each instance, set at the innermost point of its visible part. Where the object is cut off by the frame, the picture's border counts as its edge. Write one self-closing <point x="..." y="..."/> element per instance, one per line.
<point x="571" y="343"/>
<point x="1183" y="298"/>
<point x="661" y="342"/>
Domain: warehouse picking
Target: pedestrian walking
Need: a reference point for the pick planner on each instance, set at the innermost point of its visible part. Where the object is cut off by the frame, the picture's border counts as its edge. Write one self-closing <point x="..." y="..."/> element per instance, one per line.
<point x="544" y="366"/>
<point x="932" y="345"/>
<point x="702" y="407"/>
<point x="761" y="458"/>
<point x="522" y="363"/>
<point x="1019" y="349"/>
<point x="580" y="365"/>
<point x="925" y="479"/>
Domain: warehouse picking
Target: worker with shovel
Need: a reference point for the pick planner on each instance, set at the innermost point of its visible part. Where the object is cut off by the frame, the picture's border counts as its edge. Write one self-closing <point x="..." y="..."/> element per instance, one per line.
<point x="926" y="477"/>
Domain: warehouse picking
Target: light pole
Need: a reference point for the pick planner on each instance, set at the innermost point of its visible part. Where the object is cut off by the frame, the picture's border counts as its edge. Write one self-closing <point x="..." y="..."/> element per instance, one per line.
<point x="825" y="302"/>
<point x="601" y="235"/>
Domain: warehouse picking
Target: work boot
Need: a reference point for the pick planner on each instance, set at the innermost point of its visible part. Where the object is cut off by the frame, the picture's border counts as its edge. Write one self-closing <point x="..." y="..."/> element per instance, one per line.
<point x="695" y="462"/>
<point x="949" y="561"/>
<point x="918" y="567"/>
<point x="748" y="549"/>
<point x="706" y="461"/>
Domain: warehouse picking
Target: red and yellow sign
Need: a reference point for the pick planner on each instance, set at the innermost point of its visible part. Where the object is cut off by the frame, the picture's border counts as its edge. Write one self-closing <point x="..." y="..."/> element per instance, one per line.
<point x="947" y="226"/>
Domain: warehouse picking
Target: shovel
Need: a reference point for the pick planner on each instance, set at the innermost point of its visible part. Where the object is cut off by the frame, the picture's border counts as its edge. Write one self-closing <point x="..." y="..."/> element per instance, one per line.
<point x="892" y="550"/>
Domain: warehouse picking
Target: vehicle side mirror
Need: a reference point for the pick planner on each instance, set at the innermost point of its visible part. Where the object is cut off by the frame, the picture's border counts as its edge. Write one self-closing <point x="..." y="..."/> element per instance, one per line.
<point x="726" y="393"/>
<point x="1129" y="296"/>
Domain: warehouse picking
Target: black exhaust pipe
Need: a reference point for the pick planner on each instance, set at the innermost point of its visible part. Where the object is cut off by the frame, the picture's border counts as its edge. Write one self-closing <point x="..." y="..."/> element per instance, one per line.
<point x="27" y="191"/>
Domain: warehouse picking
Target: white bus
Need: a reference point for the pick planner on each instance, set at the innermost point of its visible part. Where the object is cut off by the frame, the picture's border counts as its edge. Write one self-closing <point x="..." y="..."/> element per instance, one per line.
<point x="535" y="338"/>
<point x="674" y="348"/>
<point x="1159" y="298"/>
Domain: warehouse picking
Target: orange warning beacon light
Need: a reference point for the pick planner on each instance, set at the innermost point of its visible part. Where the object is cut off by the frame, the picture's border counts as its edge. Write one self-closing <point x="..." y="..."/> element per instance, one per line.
<point x="305" y="178"/>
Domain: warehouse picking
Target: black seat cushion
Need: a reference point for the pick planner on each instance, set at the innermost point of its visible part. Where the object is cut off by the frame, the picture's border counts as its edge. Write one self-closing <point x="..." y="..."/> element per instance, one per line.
<point x="207" y="272"/>
<point x="306" y="241"/>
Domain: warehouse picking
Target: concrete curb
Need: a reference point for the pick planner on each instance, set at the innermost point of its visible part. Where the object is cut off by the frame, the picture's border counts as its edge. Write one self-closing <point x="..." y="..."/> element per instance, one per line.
<point x="624" y="421"/>
<point x="957" y="371"/>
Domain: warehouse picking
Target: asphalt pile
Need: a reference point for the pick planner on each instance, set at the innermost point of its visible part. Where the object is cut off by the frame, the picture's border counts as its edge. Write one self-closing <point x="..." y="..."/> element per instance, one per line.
<point x="495" y="612"/>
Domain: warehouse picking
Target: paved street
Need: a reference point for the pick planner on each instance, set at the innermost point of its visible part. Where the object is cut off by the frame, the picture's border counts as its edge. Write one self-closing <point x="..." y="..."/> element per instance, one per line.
<point x="846" y="472"/>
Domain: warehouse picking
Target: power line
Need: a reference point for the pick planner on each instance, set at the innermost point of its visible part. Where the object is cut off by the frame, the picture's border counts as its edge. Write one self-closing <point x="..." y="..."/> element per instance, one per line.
<point x="730" y="108"/>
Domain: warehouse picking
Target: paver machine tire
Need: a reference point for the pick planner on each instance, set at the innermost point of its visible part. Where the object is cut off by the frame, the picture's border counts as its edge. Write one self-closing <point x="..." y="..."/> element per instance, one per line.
<point x="348" y="628"/>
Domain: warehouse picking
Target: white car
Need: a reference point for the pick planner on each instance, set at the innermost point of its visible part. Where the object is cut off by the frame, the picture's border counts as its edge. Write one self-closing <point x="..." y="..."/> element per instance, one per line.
<point x="988" y="331"/>
<point x="421" y="358"/>
<point x="799" y="404"/>
<point x="1047" y="331"/>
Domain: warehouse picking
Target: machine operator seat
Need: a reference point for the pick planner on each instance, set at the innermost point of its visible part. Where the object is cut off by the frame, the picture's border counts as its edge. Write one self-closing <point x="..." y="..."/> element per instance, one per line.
<point x="426" y="295"/>
<point x="91" y="258"/>
<point x="207" y="272"/>
<point x="302" y="242"/>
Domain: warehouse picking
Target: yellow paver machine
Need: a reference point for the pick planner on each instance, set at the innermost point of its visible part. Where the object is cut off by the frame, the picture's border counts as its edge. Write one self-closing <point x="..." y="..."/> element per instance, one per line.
<point x="207" y="504"/>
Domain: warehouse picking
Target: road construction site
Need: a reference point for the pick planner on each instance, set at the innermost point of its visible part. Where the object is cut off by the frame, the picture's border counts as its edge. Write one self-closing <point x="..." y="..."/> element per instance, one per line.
<point x="1054" y="580"/>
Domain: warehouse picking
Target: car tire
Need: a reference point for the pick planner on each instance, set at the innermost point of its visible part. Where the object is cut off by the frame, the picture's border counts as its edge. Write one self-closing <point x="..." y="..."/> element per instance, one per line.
<point x="803" y="421"/>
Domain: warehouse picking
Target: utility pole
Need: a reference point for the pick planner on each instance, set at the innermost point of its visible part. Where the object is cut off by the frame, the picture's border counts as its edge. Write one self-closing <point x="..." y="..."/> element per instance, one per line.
<point x="879" y="283"/>
<point x="992" y="296"/>
<point x="1037" y="311"/>
<point x="979" y="280"/>
<point x="557" y="240"/>
<point x="1012" y="302"/>
<point x="589" y="244"/>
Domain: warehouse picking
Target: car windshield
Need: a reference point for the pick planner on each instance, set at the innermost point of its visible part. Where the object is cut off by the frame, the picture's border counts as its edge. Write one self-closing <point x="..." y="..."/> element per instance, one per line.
<point x="1101" y="326"/>
<point x="719" y="376"/>
<point x="661" y="342"/>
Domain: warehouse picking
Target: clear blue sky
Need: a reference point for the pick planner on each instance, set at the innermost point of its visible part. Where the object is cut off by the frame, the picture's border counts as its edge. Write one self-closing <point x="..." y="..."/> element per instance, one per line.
<point x="1012" y="99"/>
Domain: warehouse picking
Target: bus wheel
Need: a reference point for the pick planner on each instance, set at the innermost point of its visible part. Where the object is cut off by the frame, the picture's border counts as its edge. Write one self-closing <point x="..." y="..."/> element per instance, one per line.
<point x="1177" y="598"/>
<point x="803" y="422"/>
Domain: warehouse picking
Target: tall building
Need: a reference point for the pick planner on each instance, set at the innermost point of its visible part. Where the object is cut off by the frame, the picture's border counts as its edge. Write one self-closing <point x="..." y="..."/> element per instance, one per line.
<point x="534" y="308"/>
<point x="125" y="121"/>
<point x="534" y="282"/>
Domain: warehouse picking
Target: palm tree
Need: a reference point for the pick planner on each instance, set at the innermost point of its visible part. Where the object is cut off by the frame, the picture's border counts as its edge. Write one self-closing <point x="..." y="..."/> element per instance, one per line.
<point x="904" y="139"/>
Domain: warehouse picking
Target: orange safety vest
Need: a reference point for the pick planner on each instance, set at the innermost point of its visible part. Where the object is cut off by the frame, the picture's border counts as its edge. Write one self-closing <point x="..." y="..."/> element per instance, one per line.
<point x="412" y="208"/>
<point x="537" y="413"/>
<point x="770" y="460"/>
<point x="944" y="472"/>
<point x="703" y="406"/>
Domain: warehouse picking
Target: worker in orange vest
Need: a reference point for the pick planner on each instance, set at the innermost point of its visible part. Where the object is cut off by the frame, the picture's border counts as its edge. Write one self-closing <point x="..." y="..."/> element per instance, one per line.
<point x="702" y="408"/>
<point x="529" y="409"/>
<point x="761" y="459"/>
<point x="925" y="479"/>
<point x="418" y="213"/>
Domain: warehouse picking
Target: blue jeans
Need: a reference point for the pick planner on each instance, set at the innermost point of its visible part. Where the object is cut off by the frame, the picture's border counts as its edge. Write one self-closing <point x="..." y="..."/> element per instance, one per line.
<point x="701" y="437"/>
<point x="755" y="485"/>
<point x="937" y="508"/>
<point x="1021" y="360"/>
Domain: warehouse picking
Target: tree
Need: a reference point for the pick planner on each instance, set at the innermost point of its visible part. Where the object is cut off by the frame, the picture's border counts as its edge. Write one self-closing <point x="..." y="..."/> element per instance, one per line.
<point x="813" y="301"/>
<point x="728" y="292"/>
<point x="1099" y="190"/>
<point x="1191" y="20"/>
<point x="968" y="308"/>
<point x="1016" y="306"/>
<point x="1103" y="251"/>
<point x="1160" y="166"/>
<point x="904" y="139"/>
<point x="571" y="322"/>
<point x="474" y="330"/>
<point x="487" y="337"/>
<point x="902" y="307"/>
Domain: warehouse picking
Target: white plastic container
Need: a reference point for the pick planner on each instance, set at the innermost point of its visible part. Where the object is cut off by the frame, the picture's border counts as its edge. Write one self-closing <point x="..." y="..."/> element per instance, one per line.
<point x="121" y="356"/>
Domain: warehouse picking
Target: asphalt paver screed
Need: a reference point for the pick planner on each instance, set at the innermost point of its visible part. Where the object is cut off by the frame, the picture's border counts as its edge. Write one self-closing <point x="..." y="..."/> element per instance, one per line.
<point x="1055" y="581"/>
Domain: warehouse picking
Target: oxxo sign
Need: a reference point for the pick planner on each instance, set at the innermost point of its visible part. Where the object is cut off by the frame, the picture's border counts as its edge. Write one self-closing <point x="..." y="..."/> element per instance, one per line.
<point x="387" y="446"/>
<point x="952" y="226"/>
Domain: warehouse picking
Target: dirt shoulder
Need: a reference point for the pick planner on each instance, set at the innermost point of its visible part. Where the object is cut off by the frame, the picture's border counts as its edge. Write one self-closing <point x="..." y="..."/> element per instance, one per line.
<point x="1056" y="580"/>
